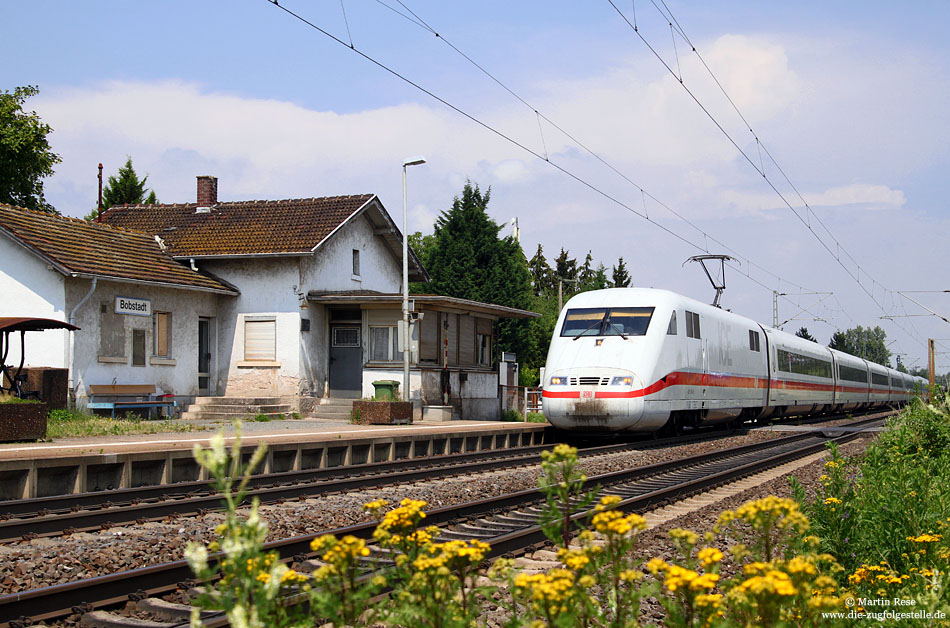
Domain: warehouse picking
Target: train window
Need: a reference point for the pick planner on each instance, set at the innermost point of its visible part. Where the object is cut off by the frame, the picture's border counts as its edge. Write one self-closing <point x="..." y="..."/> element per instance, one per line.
<point x="602" y="321"/>
<point x="692" y="325"/>
<point x="878" y="379"/>
<point x="671" y="330"/>
<point x="852" y="374"/>
<point x="754" y="340"/>
<point x="791" y="362"/>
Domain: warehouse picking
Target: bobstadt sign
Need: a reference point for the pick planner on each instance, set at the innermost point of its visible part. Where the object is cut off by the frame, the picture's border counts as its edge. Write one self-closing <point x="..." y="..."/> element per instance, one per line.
<point x="133" y="307"/>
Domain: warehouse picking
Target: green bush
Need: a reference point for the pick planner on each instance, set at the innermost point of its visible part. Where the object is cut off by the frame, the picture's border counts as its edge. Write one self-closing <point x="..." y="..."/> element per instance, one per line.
<point x="885" y="516"/>
<point x="536" y="417"/>
<point x="511" y="416"/>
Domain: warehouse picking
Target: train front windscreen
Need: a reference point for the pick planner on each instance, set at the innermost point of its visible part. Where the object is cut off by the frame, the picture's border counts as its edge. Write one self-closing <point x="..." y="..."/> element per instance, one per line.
<point x="606" y="321"/>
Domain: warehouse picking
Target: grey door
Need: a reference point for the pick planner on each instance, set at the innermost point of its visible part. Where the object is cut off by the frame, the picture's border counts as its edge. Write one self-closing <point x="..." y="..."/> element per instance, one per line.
<point x="204" y="356"/>
<point x="346" y="361"/>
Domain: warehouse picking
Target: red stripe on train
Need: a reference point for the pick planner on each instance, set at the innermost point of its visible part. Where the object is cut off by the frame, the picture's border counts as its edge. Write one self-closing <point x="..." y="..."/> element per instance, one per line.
<point x="683" y="378"/>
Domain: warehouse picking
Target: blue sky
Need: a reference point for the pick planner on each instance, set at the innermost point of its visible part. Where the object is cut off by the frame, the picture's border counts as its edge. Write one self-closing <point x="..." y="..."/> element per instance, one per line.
<point x="849" y="97"/>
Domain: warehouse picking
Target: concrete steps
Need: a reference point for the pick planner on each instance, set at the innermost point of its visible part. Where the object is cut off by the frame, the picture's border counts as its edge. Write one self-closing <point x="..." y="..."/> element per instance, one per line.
<point x="234" y="408"/>
<point x="338" y="409"/>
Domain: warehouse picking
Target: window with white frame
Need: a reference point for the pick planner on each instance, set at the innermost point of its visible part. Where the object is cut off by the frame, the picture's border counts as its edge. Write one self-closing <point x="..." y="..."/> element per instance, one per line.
<point x="384" y="344"/>
<point x="356" y="263"/>
<point x="260" y="338"/>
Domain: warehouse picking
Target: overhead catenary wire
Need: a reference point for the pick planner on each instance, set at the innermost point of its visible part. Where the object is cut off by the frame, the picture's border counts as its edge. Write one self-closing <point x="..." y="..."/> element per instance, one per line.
<point x="667" y="15"/>
<point x="419" y="21"/>
<point x="415" y="19"/>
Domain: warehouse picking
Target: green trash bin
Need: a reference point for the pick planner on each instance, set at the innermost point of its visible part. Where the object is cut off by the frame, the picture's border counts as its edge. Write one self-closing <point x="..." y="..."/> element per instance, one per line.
<point x="386" y="389"/>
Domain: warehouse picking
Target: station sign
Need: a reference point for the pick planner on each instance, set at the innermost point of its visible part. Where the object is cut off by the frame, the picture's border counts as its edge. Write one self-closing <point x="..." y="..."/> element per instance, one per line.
<point x="133" y="307"/>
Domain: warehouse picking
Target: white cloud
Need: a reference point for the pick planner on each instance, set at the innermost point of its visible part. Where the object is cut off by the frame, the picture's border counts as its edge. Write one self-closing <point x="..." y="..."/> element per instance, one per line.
<point x="865" y="196"/>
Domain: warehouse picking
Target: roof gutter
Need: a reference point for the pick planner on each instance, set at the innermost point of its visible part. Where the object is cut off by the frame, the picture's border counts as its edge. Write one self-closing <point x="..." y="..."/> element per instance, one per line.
<point x="160" y="284"/>
<point x="241" y="256"/>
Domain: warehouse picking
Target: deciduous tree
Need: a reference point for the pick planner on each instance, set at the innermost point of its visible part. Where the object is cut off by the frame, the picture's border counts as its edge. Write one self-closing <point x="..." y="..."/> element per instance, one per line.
<point x="863" y="342"/>
<point x="25" y="154"/>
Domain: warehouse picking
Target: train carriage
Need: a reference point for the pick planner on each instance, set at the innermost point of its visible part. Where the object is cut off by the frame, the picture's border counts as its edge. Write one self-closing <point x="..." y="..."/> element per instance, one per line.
<point x="852" y="389"/>
<point x="802" y="375"/>
<point x="880" y="390"/>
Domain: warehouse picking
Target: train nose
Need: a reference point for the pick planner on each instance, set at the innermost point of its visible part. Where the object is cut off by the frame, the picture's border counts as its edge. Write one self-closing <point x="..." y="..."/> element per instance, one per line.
<point x="602" y="401"/>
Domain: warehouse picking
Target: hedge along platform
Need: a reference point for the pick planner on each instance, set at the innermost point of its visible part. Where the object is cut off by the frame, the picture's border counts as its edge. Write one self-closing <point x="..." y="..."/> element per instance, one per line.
<point x="104" y="463"/>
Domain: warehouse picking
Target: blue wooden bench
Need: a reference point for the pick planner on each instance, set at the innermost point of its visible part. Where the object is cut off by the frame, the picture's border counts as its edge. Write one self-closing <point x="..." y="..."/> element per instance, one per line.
<point x="123" y="397"/>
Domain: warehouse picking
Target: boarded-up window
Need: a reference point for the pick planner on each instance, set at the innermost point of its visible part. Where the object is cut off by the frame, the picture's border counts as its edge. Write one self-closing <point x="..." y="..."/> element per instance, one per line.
<point x="111" y="332"/>
<point x="429" y="337"/>
<point x="260" y="339"/>
<point x="161" y="333"/>
<point x="452" y="334"/>
<point x="466" y="340"/>
<point x="138" y="347"/>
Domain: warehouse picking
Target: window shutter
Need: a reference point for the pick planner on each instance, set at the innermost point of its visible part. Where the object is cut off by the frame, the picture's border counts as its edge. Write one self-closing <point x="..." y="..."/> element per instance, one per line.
<point x="467" y="340"/>
<point x="452" y="333"/>
<point x="260" y="340"/>
<point x="429" y="337"/>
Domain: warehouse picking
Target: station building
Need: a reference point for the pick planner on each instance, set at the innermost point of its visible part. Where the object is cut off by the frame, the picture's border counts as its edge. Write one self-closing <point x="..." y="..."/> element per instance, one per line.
<point x="294" y="299"/>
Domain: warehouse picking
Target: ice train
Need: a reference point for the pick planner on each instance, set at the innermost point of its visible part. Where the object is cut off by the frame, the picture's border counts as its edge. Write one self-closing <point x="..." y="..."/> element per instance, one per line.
<point x="643" y="360"/>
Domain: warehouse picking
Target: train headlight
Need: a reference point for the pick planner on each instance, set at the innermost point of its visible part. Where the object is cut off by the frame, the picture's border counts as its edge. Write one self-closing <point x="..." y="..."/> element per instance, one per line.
<point x="622" y="380"/>
<point x="558" y="381"/>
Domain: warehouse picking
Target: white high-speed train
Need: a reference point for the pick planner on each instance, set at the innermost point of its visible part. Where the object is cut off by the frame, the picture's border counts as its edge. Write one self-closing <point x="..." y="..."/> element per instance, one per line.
<point x="637" y="359"/>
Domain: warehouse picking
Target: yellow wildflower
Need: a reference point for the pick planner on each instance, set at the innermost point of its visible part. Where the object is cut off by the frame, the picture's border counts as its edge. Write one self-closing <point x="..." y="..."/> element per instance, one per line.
<point x="709" y="555"/>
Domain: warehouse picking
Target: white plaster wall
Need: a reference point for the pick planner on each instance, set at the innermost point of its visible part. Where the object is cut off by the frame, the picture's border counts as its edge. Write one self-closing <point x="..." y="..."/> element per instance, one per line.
<point x="277" y="287"/>
<point x="269" y="287"/>
<point x="180" y="376"/>
<point x="332" y="267"/>
<point x="29" y="288"/>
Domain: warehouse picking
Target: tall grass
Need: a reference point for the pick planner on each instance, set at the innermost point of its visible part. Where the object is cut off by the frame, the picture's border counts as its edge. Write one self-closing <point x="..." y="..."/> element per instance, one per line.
<point x="75" y="424"/>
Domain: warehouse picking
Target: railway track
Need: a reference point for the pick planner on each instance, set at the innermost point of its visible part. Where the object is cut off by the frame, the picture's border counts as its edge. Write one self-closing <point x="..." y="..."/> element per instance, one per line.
<point x="50" y="516"/>
<point x="507" y="523"/>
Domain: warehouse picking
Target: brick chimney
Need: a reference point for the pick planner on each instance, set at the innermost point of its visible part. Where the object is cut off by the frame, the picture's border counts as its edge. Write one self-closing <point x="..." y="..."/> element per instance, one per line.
<point x="207" y="193"/>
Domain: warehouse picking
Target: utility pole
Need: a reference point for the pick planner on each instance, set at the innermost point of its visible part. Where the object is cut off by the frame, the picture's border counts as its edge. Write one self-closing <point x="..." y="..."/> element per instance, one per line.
<point x="931" y="365"/>
<point x="560" y="283"/>
<point x="775" y="295"/>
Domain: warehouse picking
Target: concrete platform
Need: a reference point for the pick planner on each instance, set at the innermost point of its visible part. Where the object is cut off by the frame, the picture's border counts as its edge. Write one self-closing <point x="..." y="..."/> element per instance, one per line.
<point x="101" y="463"/>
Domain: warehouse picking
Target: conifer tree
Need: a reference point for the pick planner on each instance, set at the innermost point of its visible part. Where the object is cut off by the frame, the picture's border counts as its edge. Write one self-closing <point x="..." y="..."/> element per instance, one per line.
<point x="468" y="260"/>
<point x="127" y="188"/>
<point x="542" y="278"/>
<point x="620" y="278"/>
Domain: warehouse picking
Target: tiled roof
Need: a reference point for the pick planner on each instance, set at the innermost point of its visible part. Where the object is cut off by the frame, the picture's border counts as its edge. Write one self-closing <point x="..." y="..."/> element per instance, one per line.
<point x="293" y="226"/>
<point x="86" y="248"/>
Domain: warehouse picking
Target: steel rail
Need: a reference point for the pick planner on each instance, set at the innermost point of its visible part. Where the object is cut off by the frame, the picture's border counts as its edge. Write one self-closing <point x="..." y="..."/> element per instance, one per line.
<point x="92" y="511"/>
<point x="59" y="600"/>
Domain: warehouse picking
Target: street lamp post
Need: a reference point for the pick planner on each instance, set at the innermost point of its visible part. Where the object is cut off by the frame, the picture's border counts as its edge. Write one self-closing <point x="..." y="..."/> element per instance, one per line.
<point x="405" y="277"/>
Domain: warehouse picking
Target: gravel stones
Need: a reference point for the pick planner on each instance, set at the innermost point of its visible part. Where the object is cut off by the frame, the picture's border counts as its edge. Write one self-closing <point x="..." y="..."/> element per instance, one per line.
<point x="44" y="562"/>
